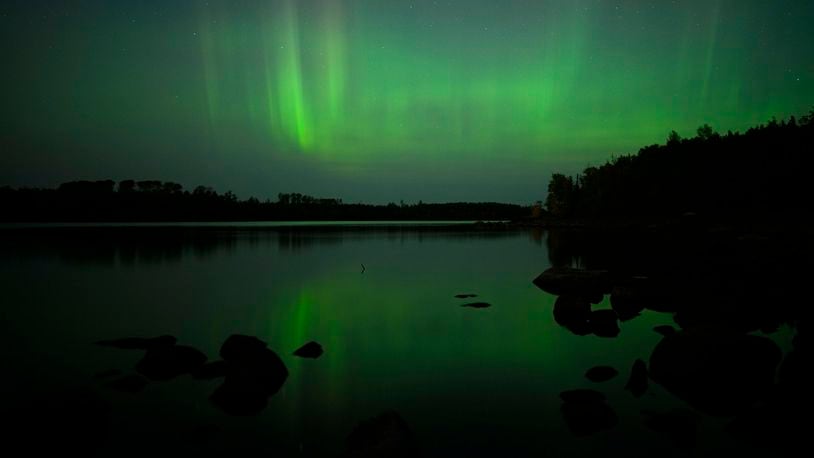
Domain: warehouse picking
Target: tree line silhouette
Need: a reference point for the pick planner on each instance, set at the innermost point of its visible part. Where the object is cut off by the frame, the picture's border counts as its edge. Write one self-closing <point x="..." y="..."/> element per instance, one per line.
<point x="163" y="201"/>
<point x="765" y="170"/>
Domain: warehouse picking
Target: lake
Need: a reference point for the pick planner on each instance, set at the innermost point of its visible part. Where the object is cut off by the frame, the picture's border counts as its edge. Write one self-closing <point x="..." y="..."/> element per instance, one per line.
<point x="467" y="381"/>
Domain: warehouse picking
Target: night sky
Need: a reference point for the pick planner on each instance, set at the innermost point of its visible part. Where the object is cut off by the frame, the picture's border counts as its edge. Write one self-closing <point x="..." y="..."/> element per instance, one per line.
<point x="376" y="100"/>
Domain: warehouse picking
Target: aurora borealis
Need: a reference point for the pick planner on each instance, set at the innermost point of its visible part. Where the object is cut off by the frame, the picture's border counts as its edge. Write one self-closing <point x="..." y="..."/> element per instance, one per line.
<point x="382" y="100"/>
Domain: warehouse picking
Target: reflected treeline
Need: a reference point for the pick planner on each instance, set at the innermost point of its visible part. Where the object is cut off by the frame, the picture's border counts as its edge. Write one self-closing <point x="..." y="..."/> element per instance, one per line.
<point x="111" y="245"/>
<point x="704" y="273"/>
<point x="724" y="287"/>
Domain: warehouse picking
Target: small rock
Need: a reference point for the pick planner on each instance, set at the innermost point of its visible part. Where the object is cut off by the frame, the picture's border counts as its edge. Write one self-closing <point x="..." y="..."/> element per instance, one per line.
<point x="637" y="383"/>
<point x="310" y="350"/>
<point x="477" y="305"/>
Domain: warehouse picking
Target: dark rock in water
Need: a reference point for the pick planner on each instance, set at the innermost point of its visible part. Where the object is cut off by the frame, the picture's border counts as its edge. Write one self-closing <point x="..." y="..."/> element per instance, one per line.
<point x="239" y="347"/>
<point x="573" y="313"/>
<point x="128" y="384"/>
<point x="680" y="424"/>
<point x="139" y="343"/>
<point x="465" y="296"/>
<point x="310" y="350"/>
<point x="665" y="330"/>
<point x="587" y="413"/>
<point x="566" y="280"/>
<point x="718" y="372"/>
<point x="386" y="435"/>
<point x="213" y="370"/>
<point x="107" y="374"/>
<point x="254" y="373"/>
<point x="163" y="363"/>
<point x="582" y="395"/>
<point x="627" y="302"/>
<point x="632" y="295"/>
<point x="601" y="373"/>
<point x="477" y="305"/>
<point x="604" y="323"/>
<point x="637" y="383"/>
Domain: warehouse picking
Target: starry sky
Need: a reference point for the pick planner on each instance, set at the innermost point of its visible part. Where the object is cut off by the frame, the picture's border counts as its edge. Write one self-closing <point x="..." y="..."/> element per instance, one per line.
<point x="382" y="100"/>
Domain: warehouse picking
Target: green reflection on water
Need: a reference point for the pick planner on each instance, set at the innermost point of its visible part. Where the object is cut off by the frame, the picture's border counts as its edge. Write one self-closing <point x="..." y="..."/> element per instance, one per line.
<point x="466" y="380"/>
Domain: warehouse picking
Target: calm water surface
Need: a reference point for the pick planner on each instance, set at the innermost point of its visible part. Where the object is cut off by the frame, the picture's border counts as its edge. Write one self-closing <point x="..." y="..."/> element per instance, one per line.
<point x="476" y="382"/>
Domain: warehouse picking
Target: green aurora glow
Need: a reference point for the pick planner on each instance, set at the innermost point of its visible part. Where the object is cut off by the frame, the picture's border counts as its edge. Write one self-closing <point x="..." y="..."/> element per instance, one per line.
<point x="339" y="96"/>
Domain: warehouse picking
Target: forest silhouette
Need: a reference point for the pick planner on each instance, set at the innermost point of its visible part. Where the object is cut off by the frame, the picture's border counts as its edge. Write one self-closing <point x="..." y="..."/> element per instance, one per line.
<point x="762" y="171"/>
<point x="759" y="172"/>
<point x="152" y="200"/>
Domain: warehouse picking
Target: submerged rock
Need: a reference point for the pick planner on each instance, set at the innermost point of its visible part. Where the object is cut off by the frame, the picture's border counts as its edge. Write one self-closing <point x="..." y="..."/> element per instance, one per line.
<point x="567" y="280"/>
<point x="573" y="313"/>
<point x="637" y="383"/>
<point x="477" y="305"/>
<point x="603" y="323"/>
<point x="601" y="373"/>
<point x="139" y="343"/>
<point x="386" y="435"/>
<point x="166" y="362"/>
<point x="310" y="350"/>
<point x="717" y="372"/>
<point x="465" y="296"/>
<point x="129" y="384"/>
<point x="254" y="373"/>
<point x="627" y="302"/>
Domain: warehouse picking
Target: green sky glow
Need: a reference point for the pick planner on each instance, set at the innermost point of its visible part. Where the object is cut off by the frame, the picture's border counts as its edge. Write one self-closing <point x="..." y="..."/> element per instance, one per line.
<point x="381" y="100"/>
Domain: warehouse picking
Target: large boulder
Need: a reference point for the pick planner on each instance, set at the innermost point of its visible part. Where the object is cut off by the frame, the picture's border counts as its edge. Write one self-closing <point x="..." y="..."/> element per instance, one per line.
<point x="577" y="282"/>
<point x="716" y="371"/>
<point x="253" y="374"/>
